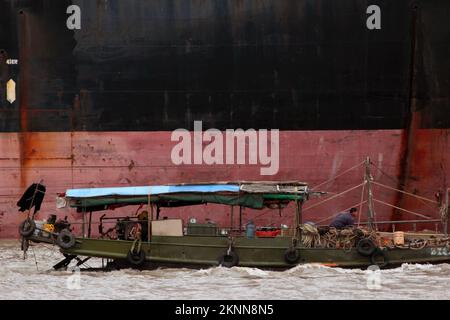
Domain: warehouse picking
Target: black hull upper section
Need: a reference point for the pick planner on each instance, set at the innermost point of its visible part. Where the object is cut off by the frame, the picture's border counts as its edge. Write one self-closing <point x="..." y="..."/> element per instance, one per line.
<point x="160" y="65"/>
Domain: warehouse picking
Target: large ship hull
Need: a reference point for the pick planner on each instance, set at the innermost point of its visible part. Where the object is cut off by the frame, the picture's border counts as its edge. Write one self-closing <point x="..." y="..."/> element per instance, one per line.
<point x="93" y="159"/>
<point x="96" y="106"/>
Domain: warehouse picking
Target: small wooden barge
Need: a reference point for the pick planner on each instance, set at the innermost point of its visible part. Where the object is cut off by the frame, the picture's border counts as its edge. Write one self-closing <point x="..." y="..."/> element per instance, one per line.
<point x="147" y="241"/>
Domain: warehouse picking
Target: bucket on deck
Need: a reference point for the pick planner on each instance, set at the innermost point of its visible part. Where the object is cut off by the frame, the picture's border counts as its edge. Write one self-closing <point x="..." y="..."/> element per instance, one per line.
<point x="399" y="238"/>
<point x="250" y="229"/>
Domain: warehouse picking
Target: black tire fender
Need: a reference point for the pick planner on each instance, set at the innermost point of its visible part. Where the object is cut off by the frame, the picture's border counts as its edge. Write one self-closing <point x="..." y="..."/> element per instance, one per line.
<point x="136" y="259"/>
<point x="65" y="239"/>
<point x="27" y="227"/>
<point x="291" y="255"/>
<point x="229" y="259"/>
<point x="366" y="247"/>
<point x="376" y="255"/>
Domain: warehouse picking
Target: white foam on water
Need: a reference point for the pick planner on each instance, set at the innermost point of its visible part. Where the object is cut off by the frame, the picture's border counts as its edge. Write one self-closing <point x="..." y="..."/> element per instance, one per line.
<point x="21" y="279"/>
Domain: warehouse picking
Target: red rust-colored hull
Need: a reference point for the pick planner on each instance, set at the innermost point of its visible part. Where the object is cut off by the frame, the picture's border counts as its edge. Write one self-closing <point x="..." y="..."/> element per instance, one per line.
<point x="67" y="160"/>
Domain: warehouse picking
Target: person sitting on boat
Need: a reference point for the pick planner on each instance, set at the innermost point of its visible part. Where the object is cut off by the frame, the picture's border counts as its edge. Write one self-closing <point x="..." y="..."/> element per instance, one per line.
<point x="143" y="221"/>
<point x="344" y="219"/>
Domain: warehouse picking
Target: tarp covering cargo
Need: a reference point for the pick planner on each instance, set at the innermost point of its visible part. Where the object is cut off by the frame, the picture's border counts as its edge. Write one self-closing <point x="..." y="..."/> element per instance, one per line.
<point x="149" y="190"/>
<point x="249" y="194"/>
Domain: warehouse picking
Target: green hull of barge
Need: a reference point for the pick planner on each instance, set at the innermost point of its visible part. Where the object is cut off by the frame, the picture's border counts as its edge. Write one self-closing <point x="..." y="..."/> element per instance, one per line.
<point x="205" y="251"/>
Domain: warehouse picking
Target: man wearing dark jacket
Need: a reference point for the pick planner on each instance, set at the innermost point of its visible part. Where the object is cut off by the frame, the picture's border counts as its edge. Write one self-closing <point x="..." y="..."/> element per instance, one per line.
<point x="344" y="219"/>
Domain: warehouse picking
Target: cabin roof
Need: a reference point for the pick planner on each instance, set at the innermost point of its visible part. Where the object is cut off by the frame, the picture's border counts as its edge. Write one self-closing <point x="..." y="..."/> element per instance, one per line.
<point x="252" y="194"/>
<point x="244" y="186"/>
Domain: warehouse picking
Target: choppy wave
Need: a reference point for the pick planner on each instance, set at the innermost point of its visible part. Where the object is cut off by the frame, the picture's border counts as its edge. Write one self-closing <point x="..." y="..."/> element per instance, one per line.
<point x="33" y="278"/>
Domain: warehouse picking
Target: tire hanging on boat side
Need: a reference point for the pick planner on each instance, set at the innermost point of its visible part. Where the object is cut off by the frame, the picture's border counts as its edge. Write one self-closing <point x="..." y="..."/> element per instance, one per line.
<point x="377" y="254"/>
<point x="136" y="259"/>
<point x="27" y="227"/>
<point x="229" y="259"/>
<point x="366" y="247"/>
<point x="65" y="239"/>
<point x="291" y="255"/>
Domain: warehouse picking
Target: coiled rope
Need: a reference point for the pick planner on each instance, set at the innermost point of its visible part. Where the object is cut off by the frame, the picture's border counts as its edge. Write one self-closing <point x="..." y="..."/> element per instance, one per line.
<point x="344" y="239"/>
<point x="310" y="236"/>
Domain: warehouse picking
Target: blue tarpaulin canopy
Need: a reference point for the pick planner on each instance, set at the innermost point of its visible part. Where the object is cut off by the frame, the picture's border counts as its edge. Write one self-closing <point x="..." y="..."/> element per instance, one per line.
<point x="248" y="194"/>
<point x="149" y="190"/>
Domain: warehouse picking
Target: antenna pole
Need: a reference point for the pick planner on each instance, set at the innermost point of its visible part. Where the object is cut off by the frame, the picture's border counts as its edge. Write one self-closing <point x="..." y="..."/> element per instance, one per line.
<point x="299" y="218"/>
<point x="240" y="219"/>
<point x="83" y="227"/>
<point x="232" y="219"/>
<point x="149" y="217"/>
<point x="368" y="179"/>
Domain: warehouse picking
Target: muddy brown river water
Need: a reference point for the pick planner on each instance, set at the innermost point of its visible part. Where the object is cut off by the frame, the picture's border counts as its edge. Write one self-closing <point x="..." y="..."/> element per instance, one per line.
<point x="34" y="278"/>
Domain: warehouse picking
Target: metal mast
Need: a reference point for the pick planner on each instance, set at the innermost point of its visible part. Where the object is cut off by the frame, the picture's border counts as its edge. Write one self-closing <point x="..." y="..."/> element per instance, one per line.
<point x="368" y="179"/>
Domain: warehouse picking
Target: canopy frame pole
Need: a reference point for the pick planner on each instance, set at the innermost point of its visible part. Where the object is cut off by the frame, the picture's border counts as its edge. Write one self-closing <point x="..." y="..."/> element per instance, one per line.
<point x="295" y="222"/>
<point x="90" y="224"/>
<point x="149" y="216"/>
<point x="232" y="219"/>
<point x="240" y="219"/>
<point x="298" y="219"/>
<point x="83" y="227"/>
<point x="368" y="180"/>
<point x="300" y="216"/>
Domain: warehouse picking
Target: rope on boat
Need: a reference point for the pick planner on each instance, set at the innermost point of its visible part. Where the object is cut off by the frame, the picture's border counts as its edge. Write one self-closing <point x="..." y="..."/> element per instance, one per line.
<point x="361" y="202"/>
<point x="418" y="244"/>
<point x="395" y="180"/>
<point x="345" y="239"/>
<point x="333" y="197"/>
<point x="335" y="214"/>
<point x="408" y="193"/>
<point x="348" y="238"/>
<point x="35" y="260"/>
<point x="420" y="198"/>
<point x="443" y="213"/>
<point x="327" y="199"/>
<point x="136" y="246"/>
<point x="310" y="236"/>
<point x="439" y="241"/>
<point x="412" y="212"/>
<point x="342" y="173"/>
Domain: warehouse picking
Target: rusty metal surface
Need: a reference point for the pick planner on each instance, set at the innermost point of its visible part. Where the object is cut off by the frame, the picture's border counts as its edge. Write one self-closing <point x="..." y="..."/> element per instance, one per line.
<point x="100" y="159"/>
<point x="95" y="106"/>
